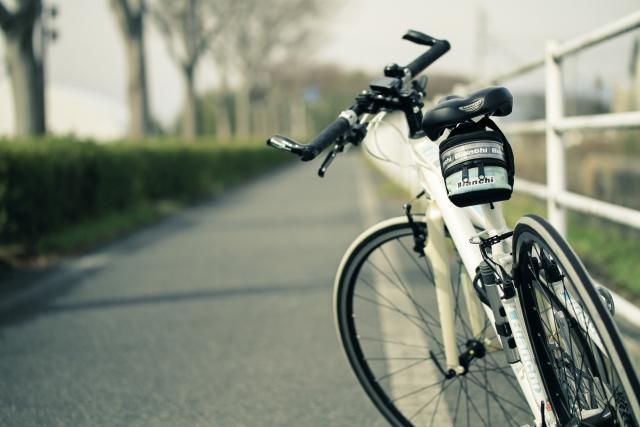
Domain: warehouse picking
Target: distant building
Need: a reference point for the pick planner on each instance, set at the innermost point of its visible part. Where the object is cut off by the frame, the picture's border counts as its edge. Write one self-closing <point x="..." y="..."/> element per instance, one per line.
<point x="70" y="111"/>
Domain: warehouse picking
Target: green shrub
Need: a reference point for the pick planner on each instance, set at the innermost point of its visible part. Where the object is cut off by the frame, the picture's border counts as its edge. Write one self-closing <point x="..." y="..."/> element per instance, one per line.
<point x="49" y="184"/>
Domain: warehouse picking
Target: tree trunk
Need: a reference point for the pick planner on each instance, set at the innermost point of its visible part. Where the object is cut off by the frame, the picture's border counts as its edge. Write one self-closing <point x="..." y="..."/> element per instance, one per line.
<point x="131" y="23"/>
<point x="261" y="120"/>
<point x="140" y="121"/>
<point x="190" y="125"/>
<point x="274" y="111"/>
<point x="223" y="121"/>
<point x="27" y="82"/>
<point x="243" y="113"/>
<point x="298" y="119"/>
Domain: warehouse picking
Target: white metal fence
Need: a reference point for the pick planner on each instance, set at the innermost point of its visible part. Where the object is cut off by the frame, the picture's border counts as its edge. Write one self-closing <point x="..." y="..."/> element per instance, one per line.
<point x="556" y="123"/>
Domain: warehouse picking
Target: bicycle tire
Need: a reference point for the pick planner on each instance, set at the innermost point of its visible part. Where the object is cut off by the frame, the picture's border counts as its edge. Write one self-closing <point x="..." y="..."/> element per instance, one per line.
<point x="487" y="395"/>
<point x="584" y="366"/>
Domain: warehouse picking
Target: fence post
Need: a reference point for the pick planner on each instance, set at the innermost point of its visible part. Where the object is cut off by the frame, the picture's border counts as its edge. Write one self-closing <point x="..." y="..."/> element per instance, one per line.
<point x="555" y="148"/>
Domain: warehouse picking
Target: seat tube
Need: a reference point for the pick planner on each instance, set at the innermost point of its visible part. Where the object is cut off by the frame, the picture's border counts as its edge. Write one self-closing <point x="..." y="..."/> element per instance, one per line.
<point x="437" y="251"/>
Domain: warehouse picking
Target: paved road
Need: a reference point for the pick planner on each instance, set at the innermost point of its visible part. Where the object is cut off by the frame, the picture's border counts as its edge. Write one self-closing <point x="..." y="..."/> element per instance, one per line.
<point x="220" y="316"/>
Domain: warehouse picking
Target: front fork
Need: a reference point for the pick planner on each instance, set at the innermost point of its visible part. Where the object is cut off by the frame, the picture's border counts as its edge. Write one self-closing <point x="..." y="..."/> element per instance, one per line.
<point x="438" y="250"/>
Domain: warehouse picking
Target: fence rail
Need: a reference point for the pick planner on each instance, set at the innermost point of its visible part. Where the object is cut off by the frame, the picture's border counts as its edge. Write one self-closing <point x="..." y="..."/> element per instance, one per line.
<point x="555" y="123"/>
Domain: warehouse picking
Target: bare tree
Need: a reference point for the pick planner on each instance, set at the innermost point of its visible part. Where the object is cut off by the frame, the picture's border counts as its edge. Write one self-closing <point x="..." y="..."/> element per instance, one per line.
<point x="222" y="109"/>
<point x="25" y="67"/>
<point x="189" y="26"/>
<point x="130" y="15"/>
<point x="271" y="34"/>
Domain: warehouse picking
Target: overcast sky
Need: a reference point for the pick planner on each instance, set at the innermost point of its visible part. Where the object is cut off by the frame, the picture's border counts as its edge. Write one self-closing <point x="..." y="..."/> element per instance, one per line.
<point x="365" y="34"/>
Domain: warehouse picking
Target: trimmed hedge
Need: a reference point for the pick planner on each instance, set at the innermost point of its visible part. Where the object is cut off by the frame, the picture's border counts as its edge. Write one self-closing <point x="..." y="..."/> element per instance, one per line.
<point x="46" y="185"/>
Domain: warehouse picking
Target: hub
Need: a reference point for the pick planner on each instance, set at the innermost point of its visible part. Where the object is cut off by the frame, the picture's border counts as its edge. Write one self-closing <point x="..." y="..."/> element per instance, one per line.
<point x="475" y="350"/>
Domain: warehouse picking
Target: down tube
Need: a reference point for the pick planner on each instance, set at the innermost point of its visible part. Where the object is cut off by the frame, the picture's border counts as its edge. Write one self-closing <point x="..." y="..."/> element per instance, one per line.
<point x="461" y="230"/>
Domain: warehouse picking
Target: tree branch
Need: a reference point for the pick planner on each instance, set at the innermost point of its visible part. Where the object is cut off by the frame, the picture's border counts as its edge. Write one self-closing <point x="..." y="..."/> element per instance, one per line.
<point x="130" y="17"/>
<point x="168" y="32"/>
<point x="207" y="38"/>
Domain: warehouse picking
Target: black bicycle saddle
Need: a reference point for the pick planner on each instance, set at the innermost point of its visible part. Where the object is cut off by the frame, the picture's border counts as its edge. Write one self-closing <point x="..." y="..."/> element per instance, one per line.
<point x="491" y="101"/>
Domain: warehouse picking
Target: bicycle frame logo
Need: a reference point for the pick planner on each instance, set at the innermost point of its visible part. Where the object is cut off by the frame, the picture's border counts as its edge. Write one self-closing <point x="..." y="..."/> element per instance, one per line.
<point x="525" y="353"/>
<point x="474" y="106"/>
<point x="476" y="181"/>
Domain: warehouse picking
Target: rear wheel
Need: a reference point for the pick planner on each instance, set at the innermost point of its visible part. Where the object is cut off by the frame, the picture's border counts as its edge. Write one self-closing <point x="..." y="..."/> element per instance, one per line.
<point x="388" y="322"/>
<point x="584" y="366"/>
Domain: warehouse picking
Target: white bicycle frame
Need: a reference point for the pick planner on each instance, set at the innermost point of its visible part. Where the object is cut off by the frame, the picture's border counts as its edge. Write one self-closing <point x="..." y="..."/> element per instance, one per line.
<point x="462" y="223"/>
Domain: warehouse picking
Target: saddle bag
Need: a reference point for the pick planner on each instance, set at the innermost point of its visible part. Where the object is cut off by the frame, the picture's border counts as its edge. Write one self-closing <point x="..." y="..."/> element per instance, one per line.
<point x="477" y="164"/>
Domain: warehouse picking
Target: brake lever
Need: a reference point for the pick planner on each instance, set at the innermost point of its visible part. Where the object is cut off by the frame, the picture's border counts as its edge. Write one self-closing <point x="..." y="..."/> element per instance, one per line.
<point x="338" y="148"/>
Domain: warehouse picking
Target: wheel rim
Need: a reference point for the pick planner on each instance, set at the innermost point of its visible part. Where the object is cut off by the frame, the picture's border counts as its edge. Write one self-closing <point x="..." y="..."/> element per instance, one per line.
<point x="390" y="329"/>
<point x="578" y="374"/>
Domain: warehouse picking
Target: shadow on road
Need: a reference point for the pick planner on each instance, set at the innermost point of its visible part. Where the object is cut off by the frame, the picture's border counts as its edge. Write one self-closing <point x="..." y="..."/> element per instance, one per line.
<point x="35" y="297"/>
<point x="189" y="296"/>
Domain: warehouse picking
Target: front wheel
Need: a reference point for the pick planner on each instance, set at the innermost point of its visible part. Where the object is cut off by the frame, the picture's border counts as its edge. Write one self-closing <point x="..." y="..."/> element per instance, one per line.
<point x="388" y="323"/>
<point x="584" y="366"/>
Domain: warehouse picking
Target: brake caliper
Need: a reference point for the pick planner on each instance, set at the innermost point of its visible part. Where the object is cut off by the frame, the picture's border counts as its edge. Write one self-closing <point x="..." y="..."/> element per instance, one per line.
<point x="419" y="233"/>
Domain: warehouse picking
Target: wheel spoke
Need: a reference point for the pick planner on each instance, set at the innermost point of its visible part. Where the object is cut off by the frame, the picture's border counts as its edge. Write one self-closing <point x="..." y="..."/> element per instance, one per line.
<point x="419" y="390"/>
<point x="415" y="261"/>
<point x="391" y="318"/>
<point x="431" y="400"/>
<point x="408" y="316"/>
<point x="499" y="401"/>
<point x="420" y="310"/>
<point x="394" y="308"/>
<point x="498" y="398"/>
<point x="397" y="371"/>
<point x="401" y="289"/>
<point x="581" y="372"/>
<point x="393" y="342"/>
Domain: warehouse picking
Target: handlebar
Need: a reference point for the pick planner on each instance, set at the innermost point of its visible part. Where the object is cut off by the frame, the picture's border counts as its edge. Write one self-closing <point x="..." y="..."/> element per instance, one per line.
<point x="394" y="94"/>
<point x="328" y="136"/>
<point x="439" y="48"/>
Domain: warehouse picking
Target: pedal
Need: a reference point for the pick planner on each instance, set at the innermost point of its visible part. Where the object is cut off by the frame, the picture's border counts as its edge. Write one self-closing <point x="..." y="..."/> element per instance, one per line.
<point x="607" y="299"/>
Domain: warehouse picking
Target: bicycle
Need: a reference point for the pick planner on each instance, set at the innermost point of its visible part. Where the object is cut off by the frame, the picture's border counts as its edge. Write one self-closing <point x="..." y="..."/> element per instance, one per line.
<point x="449" y="317"/>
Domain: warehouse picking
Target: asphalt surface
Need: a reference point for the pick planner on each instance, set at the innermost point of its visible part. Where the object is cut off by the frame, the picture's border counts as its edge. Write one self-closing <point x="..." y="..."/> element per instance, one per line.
<point x="218" y="316"/>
